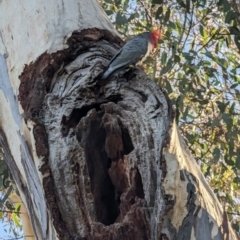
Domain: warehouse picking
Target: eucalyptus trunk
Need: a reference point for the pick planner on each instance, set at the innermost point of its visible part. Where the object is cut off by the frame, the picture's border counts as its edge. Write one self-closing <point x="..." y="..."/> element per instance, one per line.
<point x="93" y="160"/>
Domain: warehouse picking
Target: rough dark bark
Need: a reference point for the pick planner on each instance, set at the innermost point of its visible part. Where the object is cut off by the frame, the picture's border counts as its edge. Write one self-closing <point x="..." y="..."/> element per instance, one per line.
<point x="101" y="144"/>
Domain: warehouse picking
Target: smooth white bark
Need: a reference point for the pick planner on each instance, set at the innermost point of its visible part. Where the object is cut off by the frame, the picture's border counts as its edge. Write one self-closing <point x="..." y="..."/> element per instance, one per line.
<point x="183" y="170"/>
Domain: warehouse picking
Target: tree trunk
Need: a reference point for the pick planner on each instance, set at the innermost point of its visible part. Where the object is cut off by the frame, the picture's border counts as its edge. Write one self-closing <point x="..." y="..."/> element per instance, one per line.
<point x="93" y="160"/>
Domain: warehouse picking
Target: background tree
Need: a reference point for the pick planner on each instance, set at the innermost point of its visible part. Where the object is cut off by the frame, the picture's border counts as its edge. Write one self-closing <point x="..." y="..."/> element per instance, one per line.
<point x="95" y="161"/>
<point x="198" y="64"/>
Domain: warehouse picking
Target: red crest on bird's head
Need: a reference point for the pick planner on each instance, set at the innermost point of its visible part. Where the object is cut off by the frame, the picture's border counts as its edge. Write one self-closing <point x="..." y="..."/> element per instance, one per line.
<point x="155" y="35"/>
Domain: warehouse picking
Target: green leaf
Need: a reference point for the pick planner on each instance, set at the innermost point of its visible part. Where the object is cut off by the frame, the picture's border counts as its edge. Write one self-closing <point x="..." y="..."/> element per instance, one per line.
<point x="236" y="226"/>
<point x="228" y="160"/>
<point x="234" y="85"/>
<point x="194" y="99"/>
<point x="215" y="122"/>
<point x="17" y="207"/>
<point x="234" y="30"/>
<point x="16" y="220"/>
<point x="237" y="42"/>
<point x="223" y="62"/>
<point x="230" y="16"/>
<point x="167" y="67"/>
<point x="117" y="2"/>
<point x="2" y="201"/>
<point x="204" y="102"/>
<point x="226" y="5"/>
<point x="216" y="154"/>
<point x="109" y="12"/>
<point x="133" y="16"/>
<point x="179" y="25"/>
<point x="171" y="25"/>
<point x="164" y="58"/>
<point x="236" y="179"/>
<point x="179" y="103"/>
<point x="125" y="5"/>
<point x="176" y="58"/>
<point x="185" y="113"/>
<point x="221" y="106"/>
<point x="191" y="137"/>
<point x="177" y="115"/>
<point x="121" y="20"/>
<point x="181" y="3"/>
<point x="157" y="2"/>
<point x="238" y="162"/>
<point x="223" y="5"/>
<point x="159" y="12"/>
<point x="167" y="15"/>
<point x="227" y="119"/>
<point x="188" y="6"/>
<point x="3" y="166"/>
<point x="187" y="56"/>
<point x="231" y="110"/>
<point x="217" y="48"/>
<point x="210" y="55"/>
<point x="168" y="87"/>
<point x="203" y="32"/>
<point x="1" y="183"/>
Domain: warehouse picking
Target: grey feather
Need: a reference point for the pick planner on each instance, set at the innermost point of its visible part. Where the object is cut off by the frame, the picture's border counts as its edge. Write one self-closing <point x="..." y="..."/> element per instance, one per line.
<point x="130" y="54"/>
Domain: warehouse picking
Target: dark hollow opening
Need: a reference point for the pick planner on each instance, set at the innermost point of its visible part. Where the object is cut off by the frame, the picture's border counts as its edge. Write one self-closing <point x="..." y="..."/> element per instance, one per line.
<point x="127" y="142"/>
<point x="139" y="188"/>
<point x="77" y="114"/>
<point x="92" y="139"/>
<point x="75" y="117"/>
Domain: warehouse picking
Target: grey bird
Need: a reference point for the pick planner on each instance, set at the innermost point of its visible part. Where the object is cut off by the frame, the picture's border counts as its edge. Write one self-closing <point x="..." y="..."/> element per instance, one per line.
<point x="133" y="52"/>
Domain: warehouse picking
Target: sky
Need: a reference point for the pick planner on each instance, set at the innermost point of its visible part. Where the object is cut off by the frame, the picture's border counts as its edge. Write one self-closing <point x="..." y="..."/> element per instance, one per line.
<point x="4" y="232"/>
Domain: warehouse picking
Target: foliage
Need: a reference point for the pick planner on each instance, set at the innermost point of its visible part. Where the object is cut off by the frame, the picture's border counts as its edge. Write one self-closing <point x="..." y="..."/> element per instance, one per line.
<point x="9" y="213"/>
<point x="198" y="62"/>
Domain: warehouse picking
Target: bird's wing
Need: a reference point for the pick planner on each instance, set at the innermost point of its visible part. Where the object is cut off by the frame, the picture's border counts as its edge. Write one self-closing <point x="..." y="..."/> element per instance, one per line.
<point x="125" y="59"/>
<point x="131" y="53"/>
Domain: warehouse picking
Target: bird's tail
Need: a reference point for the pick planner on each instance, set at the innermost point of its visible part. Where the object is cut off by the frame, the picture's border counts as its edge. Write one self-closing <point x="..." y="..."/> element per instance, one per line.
<point x="106" y="74"/>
